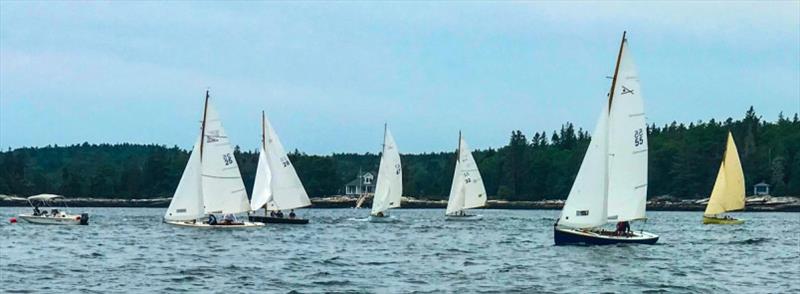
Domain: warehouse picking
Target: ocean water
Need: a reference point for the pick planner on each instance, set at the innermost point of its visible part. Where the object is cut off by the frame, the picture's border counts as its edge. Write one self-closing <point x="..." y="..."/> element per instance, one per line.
<point x="130" y="250"/>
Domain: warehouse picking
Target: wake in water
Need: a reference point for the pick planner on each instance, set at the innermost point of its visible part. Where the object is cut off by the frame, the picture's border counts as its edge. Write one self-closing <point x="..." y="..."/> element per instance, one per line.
<point x="749" y="241"/>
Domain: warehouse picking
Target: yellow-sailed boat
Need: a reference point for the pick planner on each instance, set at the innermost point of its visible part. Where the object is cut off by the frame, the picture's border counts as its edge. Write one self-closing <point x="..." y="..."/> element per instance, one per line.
<point x="728" y="192"/>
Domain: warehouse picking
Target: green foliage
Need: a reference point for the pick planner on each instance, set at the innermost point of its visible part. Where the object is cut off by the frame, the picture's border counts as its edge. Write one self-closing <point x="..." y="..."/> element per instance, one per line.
<point x="683" y="162"/>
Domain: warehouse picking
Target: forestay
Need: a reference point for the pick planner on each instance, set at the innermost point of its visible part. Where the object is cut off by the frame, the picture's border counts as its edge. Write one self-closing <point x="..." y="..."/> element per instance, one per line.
<point x="389" y="187"/>
<point x="187" y="202"/>
<point x="467" y="190"/>
<point x="627" y="162"/>
<point x="586" y="204"/>
<point x="728" y="193"/>
<point x="223" y="189"/>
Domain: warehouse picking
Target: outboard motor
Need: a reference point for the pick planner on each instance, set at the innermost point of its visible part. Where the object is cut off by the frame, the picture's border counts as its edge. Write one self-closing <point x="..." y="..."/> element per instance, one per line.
<point x="84" y="219"/>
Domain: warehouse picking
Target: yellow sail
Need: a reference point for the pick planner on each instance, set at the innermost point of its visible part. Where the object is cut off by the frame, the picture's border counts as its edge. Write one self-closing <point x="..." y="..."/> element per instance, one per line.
<point x="728" y="192"/>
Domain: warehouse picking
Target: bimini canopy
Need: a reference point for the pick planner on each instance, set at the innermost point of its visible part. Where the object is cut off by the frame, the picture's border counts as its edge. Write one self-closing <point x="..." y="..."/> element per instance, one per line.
<point x="44" y="197"/>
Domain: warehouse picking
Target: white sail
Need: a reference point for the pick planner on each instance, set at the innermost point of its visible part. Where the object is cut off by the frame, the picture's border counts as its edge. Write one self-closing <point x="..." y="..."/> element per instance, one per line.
<point x="467" y="190"/>
<point x="187" y="202"/>
<point x="287" y="190"/>
<point x="261" y="188"/>
<point x="586" y="204"/>
<point x="389" y="188"/>
<point x="223" y="189"/>
<point x="627" y="145"/>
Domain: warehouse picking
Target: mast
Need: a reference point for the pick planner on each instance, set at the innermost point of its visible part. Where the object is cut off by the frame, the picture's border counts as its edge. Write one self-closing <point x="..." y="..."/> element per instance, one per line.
<point x="616" y="71"/>
<point x="383" y="146"/>
<point x="203" y="127"/>
<point x="263" y="131"/>
<point x="264" y="147"/>
<point x="608" y="118"/>
<point x="458" y="151"/>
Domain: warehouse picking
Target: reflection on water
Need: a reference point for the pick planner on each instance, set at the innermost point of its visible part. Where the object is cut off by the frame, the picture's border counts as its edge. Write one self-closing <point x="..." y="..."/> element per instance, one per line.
<point x="127" y="249"/>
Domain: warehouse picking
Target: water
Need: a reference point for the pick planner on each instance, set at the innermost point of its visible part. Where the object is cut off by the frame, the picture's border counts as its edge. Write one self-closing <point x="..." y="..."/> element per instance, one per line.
<point x="129" y="249"/>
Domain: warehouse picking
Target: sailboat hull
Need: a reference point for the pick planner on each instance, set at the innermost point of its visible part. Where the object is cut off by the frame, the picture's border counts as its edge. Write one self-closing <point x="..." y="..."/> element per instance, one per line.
<point x="203" y="225"/>
<point x="278" y="220"/>
<point x="570" y="236"/>
<point x="721" y="221"/>
<point x="464" y="218"/>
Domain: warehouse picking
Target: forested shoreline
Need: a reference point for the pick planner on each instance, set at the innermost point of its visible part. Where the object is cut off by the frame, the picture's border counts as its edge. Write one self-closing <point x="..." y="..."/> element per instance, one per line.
<point x="683" y="163"/>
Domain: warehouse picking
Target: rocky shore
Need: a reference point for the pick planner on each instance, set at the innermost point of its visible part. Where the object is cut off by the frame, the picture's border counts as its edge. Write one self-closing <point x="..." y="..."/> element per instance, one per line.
<point x="663" y="203"/>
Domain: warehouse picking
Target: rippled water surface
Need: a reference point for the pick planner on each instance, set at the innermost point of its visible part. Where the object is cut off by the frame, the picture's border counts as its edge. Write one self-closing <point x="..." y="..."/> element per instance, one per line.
<point x="130" y="250"/>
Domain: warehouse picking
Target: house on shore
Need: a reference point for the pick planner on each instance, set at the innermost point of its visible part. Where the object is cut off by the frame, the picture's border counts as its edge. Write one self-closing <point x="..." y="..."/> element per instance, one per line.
<point x="364" y="183"/>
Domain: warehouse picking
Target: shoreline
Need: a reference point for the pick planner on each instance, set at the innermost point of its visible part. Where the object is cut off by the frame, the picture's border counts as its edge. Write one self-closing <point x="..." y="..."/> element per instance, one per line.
<point x="754" y="204"/>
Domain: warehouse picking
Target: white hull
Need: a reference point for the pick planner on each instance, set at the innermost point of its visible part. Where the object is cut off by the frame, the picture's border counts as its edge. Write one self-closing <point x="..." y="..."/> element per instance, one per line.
<point x="52" y="220"/>
<point x="207" y="226"/>
<point x="464" y="218"/>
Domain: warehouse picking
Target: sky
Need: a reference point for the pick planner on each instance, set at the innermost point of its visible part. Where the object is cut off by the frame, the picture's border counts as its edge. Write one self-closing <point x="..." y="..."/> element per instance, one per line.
<point x="330" y="74"/>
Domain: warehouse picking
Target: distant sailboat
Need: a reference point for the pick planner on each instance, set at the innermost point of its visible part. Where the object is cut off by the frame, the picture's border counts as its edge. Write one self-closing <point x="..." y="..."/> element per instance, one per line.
<point x="211" y="182"/>
<point x="728" y="192"/>
<point x="389" y="188"/>
<point x="467" y="190"/>
<point x="277" y="186"/>
<point x="611" y="185"/>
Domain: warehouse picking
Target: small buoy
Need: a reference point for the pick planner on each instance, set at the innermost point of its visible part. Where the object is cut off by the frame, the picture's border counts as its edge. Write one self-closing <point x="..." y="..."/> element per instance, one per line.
<point x="13" y="220"/>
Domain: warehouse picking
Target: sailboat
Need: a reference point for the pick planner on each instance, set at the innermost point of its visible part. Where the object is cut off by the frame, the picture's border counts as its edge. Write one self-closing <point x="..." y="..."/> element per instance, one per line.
<point x="728" y="192"/>
<point x="389" y="188"/>
<point x="277" y="186"/>
<point x="467" y="190"/>
<point x="211" y="182"/>
<point x="611" y="185"/>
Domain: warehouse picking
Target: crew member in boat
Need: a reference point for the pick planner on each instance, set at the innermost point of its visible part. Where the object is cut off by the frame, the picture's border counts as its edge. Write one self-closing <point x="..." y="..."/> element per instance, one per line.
<point x="228" y="219"/>
<point x="36" y="211"/>
<point x="623" y="228"/>
<point x="379" y="214"/>
<point x="212" y="220"/>
<point x="272" y="213"/>
<point x="279" y="214"/>
<point x="291" y="214"/>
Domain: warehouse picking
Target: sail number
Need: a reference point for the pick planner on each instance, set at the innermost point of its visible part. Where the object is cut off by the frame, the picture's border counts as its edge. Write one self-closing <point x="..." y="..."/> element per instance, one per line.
<point x="638" y="137"/>
<point x="285" y="162"/>
<point x="397" y="169"/>
<point x="228" y="158"/>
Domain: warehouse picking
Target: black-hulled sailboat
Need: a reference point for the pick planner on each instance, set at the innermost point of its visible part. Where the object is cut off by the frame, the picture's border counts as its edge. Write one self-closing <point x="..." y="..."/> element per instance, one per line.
<point x="277" y="187"/>
<point x="611" y="185"/>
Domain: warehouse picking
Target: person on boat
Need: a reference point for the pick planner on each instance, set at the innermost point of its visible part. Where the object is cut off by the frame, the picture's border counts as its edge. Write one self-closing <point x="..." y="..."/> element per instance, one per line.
<point x="228" y="219"/>
<point x="623" y="228"/>
<point x="279" y="214"/>
<point x="54" y="212"/>
<point x="379" y="214"/>
<point x="36" y="211"/>
<point x="272" y="213"/>
<point x="212" y="220"/>
<point x="291" y="214"/>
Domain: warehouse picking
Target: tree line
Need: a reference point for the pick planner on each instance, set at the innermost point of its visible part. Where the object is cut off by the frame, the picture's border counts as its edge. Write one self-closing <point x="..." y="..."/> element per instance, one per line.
<point x="683" y="163"/>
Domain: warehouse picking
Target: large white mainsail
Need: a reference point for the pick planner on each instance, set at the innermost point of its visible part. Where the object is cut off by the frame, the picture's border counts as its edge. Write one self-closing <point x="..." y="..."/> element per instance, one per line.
<point x="627" y="145"/>
<point x="223" y="189"/>
<point x="285" y="190"/>
<point x="467" y="190"/>
<point x="389" y="188"/>
<point x="187" y="202"/>
<point x="611" y="184"/>
<point x="586" y="204"/>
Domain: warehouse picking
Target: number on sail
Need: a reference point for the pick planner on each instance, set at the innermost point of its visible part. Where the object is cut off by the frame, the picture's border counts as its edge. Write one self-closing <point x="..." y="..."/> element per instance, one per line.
<point x="227" y="158"/>
<point x="638" y="137"/>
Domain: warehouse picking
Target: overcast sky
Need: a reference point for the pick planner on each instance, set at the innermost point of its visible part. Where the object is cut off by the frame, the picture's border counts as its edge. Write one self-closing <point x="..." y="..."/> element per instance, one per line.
<point x="329" y="74"/>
